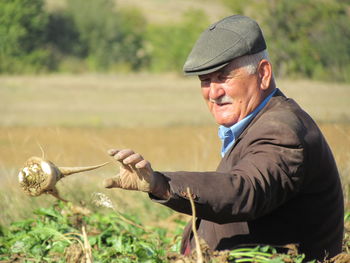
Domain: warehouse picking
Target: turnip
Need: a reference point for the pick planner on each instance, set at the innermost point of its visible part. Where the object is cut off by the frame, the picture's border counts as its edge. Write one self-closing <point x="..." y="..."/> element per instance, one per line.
<point x="40" y="176"/>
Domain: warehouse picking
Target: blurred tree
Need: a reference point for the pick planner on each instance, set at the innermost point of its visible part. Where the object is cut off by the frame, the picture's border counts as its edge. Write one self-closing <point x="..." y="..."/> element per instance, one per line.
<point x="169" y="45"/>
<point x="23" y="36"/>
<point x="307" y="38"/>
<point x="63" y="36"/>
<point x="107" y="36"/>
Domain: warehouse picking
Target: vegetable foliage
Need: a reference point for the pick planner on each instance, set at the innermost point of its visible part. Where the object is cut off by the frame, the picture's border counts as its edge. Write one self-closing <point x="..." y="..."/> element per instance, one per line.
<point x="55" y="235"/>
<point x="56" y="231"/>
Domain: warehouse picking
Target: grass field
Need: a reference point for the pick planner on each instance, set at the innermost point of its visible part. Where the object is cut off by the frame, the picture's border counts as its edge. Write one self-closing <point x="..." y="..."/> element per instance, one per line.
<point x="75" y="119"/>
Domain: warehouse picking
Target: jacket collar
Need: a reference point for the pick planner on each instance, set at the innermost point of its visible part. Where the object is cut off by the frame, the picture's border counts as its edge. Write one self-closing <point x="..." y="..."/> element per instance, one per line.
<point x="270" y="104"/>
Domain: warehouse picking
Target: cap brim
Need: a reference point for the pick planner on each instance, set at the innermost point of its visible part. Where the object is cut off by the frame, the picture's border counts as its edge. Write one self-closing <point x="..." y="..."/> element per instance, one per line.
<point x="205" y="71"/>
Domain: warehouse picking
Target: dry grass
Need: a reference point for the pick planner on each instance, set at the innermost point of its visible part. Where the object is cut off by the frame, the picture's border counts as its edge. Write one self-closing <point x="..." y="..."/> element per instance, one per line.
<point x="325" y="102"/>
<point x="176" y="148"/>
<point x="100" y="100"/>
<point x="75" y="119"/>
<point x="138" y="100"/>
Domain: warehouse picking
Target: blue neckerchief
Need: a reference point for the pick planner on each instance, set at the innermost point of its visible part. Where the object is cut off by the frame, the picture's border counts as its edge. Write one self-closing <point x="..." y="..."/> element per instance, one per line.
<point x="228" y="135"/>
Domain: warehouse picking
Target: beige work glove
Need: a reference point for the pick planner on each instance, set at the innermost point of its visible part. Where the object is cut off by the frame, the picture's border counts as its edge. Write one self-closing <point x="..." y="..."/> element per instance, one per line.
<point x="136" y="173"/>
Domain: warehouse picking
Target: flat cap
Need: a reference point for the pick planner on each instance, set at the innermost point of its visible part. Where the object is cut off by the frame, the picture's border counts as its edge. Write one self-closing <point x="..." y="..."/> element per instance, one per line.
<point x="223" y="41"/>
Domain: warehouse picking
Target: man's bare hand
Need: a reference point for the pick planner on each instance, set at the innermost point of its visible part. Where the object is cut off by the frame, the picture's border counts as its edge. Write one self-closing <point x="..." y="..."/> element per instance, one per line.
<point x="136" y="173"/>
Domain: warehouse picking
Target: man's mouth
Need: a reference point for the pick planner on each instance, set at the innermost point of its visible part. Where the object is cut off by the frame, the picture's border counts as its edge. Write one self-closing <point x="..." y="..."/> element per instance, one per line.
<point x="223" y="104"/>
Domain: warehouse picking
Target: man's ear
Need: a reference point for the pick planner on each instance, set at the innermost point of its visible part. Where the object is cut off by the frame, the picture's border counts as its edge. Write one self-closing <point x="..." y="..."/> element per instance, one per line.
<point x="265" y="74"/>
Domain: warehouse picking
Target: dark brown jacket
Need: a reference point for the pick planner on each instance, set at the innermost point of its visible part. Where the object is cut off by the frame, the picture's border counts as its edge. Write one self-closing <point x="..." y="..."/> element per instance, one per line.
<point x="277" y="185"/>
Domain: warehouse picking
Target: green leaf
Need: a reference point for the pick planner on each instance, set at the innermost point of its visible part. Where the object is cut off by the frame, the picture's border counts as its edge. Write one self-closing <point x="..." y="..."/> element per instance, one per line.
<point x="47" y="212"/>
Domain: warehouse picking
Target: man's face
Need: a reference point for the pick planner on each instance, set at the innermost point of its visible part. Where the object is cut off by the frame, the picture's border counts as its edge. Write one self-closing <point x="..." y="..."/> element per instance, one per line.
<point x="231" y="94"/>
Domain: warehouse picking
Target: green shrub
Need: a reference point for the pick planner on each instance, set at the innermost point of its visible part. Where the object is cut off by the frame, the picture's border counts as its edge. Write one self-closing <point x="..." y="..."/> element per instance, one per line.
<point x="107" y="36"/>
<point x="305" y="38"/>
<point x="23" y="36"/>
<point x="169" y="45"/>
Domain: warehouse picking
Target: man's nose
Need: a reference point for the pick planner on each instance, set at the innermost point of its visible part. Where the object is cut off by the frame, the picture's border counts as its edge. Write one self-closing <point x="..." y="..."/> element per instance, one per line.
<point x="216" y="90"/>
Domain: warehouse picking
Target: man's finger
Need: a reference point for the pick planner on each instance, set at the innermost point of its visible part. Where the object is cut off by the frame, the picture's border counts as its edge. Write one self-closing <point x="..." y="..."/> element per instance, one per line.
<point x="122" y="154"/>
<point x="112" y="152"/>
<point x="112" y="182"/>
<point x="133" y="159"/>
<point x="143" y="164"/>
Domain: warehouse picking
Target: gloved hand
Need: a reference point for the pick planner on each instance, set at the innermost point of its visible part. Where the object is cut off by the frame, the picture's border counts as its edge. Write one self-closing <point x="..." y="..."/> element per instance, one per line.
<point x="136" y="173"/>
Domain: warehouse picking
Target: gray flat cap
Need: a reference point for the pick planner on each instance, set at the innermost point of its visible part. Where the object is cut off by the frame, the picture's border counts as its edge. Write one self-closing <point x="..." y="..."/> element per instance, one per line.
<point x="223" y="41"/>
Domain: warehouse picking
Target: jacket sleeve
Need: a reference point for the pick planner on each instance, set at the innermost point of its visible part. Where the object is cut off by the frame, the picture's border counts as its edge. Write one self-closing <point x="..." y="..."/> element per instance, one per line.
<point x="268" y="173"/>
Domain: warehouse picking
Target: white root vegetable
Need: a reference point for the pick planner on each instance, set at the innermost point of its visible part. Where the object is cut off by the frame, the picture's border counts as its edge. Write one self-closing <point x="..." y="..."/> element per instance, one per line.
<point x="39" y="176"/>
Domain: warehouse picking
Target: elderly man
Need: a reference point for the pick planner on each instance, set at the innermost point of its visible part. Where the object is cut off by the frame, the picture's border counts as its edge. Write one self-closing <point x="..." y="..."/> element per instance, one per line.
<point x="277" y="182"/>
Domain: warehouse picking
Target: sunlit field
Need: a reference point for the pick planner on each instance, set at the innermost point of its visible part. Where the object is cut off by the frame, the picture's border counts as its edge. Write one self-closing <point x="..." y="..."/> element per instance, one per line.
<point x="73" y="120"/>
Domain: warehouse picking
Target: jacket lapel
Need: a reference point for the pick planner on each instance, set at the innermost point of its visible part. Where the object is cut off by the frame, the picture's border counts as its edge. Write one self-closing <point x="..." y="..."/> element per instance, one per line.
<point x="270" y="104"/>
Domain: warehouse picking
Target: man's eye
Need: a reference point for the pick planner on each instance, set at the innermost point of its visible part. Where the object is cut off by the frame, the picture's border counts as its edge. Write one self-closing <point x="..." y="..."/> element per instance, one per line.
<point x="205" y="82"/>
<point x="223" y="77"/>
